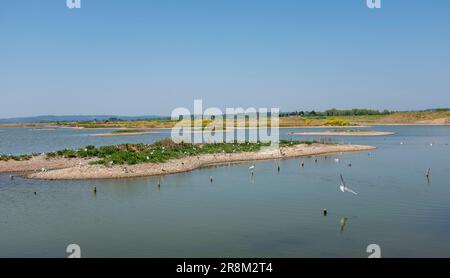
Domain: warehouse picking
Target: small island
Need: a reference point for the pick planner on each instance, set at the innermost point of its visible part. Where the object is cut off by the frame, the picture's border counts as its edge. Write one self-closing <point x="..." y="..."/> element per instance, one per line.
<point x="345" y="133"/>
<point x="160" y="158"/>
<point x="124" y="132"/>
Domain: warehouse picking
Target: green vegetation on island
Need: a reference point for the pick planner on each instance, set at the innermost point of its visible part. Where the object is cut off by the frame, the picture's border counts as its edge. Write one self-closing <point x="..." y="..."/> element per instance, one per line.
<point x="158" y="152"/>
<point x="24" y="157"/>
<point x="161" y="151"/>
<point x="128" y="131"/>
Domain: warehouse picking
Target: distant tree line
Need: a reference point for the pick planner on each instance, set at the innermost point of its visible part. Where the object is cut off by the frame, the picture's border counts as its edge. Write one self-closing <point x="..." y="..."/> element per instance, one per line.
<point x="335" y="112"/>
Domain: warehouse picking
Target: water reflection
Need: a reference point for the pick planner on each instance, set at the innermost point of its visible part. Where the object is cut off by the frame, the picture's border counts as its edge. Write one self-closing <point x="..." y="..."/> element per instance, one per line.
<point x="343" y="223"/>
<point x="186" y="215"/>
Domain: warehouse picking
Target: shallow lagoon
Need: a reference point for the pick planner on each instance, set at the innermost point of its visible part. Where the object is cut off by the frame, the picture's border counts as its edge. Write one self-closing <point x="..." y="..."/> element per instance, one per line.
<point x="272" y="215"/>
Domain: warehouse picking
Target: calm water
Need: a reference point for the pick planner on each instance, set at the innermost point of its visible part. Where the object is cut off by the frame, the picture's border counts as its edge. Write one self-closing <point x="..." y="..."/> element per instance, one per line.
<point x="272" y="215"/>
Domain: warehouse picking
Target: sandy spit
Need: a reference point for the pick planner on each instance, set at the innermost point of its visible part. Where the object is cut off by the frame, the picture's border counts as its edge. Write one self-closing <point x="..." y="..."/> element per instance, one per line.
<point x="82" y="170"/>
<point x="343" y="133"/>
<point x="123" y="134"/>
<point x="40" y="163"/>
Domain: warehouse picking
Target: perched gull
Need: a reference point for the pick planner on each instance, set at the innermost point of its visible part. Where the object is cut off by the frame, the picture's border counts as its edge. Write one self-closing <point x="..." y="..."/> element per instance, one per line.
<point x="344" y="188"/>
<point x="251" y="167"/>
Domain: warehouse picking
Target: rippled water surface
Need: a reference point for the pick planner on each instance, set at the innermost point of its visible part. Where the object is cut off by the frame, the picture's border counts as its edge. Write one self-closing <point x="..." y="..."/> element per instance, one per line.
<point x="272" y="215"/>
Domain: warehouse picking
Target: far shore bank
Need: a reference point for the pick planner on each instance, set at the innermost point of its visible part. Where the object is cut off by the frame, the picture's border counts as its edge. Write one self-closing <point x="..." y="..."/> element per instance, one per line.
<point x="81" y="169"/>
<point x="368" y="125"/>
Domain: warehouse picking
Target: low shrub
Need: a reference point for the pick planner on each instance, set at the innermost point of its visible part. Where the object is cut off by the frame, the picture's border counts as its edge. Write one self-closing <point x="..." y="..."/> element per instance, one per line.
<point x="336" y="122"/>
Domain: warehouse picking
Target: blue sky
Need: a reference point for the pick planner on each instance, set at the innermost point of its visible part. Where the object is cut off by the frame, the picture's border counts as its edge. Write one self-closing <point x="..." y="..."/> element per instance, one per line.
<point x="148" y="57"/>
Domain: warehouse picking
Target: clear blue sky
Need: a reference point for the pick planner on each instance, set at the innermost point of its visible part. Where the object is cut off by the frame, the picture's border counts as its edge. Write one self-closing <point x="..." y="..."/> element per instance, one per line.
<point x="132" y="57"/>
